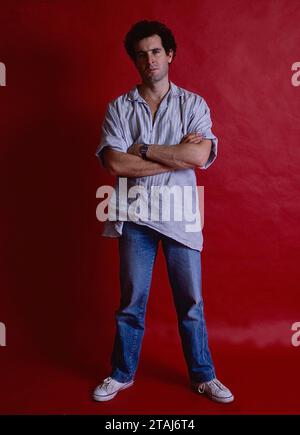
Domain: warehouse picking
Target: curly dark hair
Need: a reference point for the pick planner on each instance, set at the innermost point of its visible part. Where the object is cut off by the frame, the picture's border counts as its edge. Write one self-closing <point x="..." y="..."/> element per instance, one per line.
<point x="145" y="28"/>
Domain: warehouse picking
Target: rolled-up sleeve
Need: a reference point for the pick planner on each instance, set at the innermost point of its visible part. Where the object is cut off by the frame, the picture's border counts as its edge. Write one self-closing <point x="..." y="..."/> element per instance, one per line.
<point x="200" y="122"/>
<point x="111" y="133"/>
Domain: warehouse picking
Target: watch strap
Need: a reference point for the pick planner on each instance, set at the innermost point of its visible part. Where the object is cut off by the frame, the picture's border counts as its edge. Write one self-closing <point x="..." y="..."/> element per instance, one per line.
<point x="143" y="151"/>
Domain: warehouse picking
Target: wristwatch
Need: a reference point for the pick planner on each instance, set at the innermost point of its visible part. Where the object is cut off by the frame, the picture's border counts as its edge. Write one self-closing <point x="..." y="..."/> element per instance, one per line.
<point x="143" y="151"/>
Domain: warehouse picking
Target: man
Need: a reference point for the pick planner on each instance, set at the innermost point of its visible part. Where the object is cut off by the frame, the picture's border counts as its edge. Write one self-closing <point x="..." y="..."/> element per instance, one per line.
<point x="157" y="135"/>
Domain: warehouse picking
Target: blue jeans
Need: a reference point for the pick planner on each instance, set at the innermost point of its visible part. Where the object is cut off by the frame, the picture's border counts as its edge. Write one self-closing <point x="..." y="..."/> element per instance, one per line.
<point x="138" y="247"/>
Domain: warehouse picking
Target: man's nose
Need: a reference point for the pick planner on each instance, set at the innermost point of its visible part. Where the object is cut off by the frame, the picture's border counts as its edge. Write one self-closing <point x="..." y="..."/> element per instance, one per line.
<point x="150" y="58"/>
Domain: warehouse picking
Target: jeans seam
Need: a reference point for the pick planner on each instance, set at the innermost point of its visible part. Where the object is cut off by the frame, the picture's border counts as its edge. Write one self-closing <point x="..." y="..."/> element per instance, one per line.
<point x="141" y="316"/>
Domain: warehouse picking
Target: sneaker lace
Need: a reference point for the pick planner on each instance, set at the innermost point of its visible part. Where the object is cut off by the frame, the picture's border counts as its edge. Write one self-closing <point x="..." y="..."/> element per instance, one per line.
<point x="218" y="384"/>
<point x="213" y="382"/>
<point x="106" y="382"/>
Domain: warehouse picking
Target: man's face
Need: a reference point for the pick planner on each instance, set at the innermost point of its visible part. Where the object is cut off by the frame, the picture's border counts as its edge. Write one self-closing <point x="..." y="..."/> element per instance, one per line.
<point x="152" y="61"/>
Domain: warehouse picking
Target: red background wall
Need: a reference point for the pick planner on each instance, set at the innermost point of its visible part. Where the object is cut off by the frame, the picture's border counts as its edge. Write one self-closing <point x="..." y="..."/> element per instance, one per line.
<point x="64" y="62"/>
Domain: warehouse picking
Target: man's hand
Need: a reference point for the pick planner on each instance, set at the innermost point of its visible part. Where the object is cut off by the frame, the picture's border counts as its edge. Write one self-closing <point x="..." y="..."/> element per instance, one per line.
<point x="192" y="138"/>
<point x="135" y="149"/>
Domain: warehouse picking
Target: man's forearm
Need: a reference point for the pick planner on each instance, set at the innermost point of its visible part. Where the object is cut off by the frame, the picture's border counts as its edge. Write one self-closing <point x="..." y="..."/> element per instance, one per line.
<point x="131" y="166"/>
<point x="181" y="156"/>
<point x="143" y="168"/>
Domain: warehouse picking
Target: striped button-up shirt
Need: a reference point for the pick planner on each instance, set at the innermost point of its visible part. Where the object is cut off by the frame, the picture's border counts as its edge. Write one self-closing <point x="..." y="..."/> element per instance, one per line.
<point x="128" y="120"/>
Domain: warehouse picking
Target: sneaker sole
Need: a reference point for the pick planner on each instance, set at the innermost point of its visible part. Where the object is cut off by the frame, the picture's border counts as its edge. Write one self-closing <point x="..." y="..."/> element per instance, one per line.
<point x="111" y="396"/>
<point x="214" y="398"/>
<point x="223" y="400"/>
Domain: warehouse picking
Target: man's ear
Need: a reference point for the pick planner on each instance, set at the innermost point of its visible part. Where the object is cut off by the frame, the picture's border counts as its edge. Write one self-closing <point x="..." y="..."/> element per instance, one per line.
<point x="170" y="52"/>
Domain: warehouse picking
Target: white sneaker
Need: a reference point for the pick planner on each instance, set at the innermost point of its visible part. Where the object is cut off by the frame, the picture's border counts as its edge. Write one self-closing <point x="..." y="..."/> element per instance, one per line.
<point x="214" y="390"/>
<point x="109" y="389"/>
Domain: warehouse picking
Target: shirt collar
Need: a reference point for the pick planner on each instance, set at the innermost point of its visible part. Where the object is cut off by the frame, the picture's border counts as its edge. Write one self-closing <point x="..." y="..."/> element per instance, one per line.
<point x="174" y="91"/>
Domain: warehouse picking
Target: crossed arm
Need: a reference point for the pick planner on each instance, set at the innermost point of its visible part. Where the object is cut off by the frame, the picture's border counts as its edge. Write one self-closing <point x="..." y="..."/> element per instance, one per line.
<point x="193" y="151"/>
